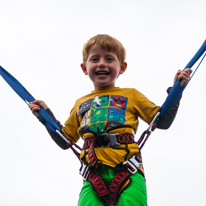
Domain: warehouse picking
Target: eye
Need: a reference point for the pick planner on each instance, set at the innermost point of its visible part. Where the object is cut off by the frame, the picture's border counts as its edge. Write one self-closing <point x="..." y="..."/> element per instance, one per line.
<point x="109" y="59"/>
<point x="94" y="59"/>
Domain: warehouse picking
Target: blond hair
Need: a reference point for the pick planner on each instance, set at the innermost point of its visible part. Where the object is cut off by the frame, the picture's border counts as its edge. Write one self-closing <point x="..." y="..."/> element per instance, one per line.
<point x="105" y="42"/>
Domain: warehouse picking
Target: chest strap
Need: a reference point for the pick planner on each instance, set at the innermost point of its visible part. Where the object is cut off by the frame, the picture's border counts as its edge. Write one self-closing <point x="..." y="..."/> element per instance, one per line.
<point x="109" y="140"/>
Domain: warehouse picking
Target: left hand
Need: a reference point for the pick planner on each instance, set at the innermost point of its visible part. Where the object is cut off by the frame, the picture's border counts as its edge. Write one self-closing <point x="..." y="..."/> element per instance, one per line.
<point x="35" y="106"/>
<point x="183" y="75"/>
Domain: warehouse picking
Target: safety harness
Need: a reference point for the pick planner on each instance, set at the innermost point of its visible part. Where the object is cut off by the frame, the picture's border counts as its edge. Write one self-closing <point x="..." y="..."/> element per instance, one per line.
<point x="109" y="196"/>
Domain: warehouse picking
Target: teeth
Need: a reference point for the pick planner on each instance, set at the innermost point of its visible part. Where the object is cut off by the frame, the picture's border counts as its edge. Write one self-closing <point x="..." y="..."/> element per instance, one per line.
<point x="102" y="73"/>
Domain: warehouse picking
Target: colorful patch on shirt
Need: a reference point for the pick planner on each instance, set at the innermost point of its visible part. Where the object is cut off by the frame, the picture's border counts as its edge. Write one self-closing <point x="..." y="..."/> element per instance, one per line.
<point x="85" y="120"/>
<point x="85" y="106"/>
<point x="98" y="128"/>
<point x="116" y="115"/>
<point x="118" y="101"/>
<point x="98" y="115"/>
<point x="103" y="101"/>
<point x="104" y="112"/>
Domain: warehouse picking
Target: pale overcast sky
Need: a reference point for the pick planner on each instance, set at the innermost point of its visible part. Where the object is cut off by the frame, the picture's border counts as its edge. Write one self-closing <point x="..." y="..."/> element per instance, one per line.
<point x="41" y="43"/>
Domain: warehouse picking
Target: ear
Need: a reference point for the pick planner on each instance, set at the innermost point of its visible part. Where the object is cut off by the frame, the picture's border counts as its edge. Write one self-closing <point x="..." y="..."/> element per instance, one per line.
<point x="84" y="69"/>
<point x="123" y="68"/>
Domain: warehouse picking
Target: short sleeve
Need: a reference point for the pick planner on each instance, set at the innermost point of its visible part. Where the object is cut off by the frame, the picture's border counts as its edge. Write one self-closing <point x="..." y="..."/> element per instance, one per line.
<point x="72" y="125"/>
<point x="144" y="108"/>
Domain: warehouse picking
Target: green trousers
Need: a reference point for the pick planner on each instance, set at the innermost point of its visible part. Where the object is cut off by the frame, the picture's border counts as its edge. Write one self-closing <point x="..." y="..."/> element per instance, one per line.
<point x="134" y="195"/>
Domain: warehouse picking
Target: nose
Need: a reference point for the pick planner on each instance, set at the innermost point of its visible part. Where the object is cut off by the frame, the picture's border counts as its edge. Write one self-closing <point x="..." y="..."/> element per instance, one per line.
<point x="102" y="63"/>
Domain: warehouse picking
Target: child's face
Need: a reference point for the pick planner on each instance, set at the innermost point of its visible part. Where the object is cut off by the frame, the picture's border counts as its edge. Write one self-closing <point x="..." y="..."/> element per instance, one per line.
<point x="103" y="67"/>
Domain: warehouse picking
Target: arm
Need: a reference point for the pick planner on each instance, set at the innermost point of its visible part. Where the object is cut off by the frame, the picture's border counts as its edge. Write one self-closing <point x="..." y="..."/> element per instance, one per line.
<point x="57" y="139"/>
<point x="168" y="117"/>
<point x="35" y="106"/>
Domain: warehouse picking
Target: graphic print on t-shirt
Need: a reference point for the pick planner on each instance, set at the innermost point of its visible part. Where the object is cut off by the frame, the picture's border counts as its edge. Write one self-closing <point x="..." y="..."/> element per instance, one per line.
<point x="98" y="115"/>
<point x="118" y="105"/>
<point x="118" y="101"/>
<point x="105" y="112"/>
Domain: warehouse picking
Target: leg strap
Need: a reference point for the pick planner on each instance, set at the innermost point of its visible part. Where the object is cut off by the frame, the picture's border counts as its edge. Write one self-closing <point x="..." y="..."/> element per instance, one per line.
<point x="99" y="186"/>
<point x="116" y="185"/>
<point x="109" y="196"/>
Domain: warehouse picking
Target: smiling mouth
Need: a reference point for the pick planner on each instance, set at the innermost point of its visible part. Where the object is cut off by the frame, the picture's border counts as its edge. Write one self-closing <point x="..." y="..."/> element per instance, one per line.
<point x="101" y="73"/>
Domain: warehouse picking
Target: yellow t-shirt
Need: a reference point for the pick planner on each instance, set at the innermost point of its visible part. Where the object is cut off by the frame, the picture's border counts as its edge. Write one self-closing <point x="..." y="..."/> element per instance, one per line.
<point x="109" y="109"/>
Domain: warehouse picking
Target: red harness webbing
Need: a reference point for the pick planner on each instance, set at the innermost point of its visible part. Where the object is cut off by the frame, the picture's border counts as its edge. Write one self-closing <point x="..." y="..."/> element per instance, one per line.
<point x="111" y="195"/>
<point x="116" y="185"/>
<point x="94" y="142"/>
<point x="126" y="138"/>
<point x="99" y="186"/>
<point x="91" y="153"/>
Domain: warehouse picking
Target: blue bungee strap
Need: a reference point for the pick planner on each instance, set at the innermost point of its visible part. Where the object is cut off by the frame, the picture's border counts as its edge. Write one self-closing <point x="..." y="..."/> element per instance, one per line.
<point x="175" y="91"/>
<point x="27" y="97"/>
<point x="173" y="95"/>
<point x="48" y="121"/>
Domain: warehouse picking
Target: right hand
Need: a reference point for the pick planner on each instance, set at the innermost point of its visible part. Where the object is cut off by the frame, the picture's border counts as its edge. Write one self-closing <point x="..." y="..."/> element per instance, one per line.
<point x="35" y="106"/>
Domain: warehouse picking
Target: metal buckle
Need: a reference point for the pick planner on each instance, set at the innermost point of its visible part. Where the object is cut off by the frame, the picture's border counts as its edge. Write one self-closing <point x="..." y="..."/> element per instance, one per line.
<point x="112" y="140"/>
<point x="132" y="165"/>
<point x="84" y="171"/>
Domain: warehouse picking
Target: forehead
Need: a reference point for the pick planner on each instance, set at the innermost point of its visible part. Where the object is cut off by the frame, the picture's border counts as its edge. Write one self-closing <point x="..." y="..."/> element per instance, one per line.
<point x="98" y="50"/>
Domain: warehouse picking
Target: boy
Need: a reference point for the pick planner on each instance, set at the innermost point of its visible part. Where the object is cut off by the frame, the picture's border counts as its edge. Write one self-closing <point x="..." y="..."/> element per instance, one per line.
<point x="107" y="120"/>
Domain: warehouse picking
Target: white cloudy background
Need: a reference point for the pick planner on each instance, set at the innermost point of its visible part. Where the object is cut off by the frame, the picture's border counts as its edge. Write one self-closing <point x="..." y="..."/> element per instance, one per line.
<point x="41" y="43"/>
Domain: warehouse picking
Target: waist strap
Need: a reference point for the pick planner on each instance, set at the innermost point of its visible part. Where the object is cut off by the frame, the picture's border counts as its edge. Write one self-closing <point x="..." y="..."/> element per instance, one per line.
<point x="109" y="140"/>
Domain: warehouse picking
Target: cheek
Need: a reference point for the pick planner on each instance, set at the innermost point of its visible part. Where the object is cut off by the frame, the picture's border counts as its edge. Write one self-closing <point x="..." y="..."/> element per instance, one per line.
<point x="90" y="73"/>
<point x="116" y="73"/>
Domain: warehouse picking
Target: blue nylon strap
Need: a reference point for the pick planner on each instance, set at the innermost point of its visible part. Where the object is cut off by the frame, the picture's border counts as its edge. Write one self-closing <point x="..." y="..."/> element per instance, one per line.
<point x="27" y="97"/>
<point x="175" y="91"/>
<point x="16" y="86"/>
